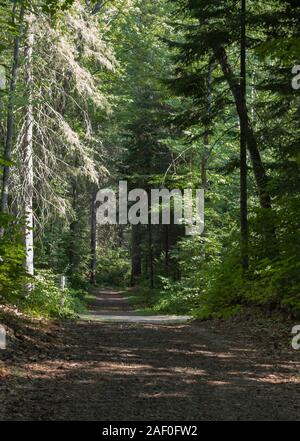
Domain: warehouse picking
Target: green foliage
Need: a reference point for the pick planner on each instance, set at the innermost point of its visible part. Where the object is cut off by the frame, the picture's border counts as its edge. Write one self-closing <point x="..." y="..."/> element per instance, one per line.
<point x="12" y="274"/>
<point x="53" y="6"/>
<point x="48" y="300"/>
<point x="144" y="299"/>
<point x="113" y="267"/>
<point x="174" y="124"/>
<point x="219" y="288"/>
<point x="176" y="298"/>
<point x="212" y="283"/>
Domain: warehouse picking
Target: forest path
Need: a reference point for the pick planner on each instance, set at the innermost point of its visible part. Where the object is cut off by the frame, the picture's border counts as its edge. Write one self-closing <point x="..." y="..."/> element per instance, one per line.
<point x="106" y="371"/>
<point x="112" y="305"/>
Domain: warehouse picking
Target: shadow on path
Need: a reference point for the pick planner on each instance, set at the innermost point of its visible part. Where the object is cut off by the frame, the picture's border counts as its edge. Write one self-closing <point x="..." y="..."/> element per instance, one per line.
<point x="150" y="372"/>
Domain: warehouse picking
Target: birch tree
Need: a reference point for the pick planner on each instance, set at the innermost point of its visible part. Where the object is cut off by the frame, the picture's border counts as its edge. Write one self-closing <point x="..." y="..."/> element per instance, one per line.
<point x="28" y="149"/>
<point x="61" y="92"/>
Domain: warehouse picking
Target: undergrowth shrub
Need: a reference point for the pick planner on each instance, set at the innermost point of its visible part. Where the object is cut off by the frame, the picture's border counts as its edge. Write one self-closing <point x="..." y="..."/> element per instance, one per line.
<point x="212" y="283"/>
<point x="48" y="300"/>
<point x="113" y="267"/>
<point x="12" y="274"/>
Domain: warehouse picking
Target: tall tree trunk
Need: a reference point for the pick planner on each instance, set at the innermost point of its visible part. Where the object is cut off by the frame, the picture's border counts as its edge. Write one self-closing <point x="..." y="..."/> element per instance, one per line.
<point x="28" y="153"/>
<point x="97" y="7"/>
<point x="150" y="255"/>
<point x="73" y="255"/>
<point x="204" y="172"/>
<point x="136" y="261"/>
<point x="204" y="159"/>
<point x="10" y="113"/>
<point x="258" y="167"/>
<point x="167" y="250"/>
<point x="93" y="237"/>
<point x="243" y="145"/>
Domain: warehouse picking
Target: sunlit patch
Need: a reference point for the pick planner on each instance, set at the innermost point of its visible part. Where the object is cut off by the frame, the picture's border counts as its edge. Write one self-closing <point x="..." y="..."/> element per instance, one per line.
<point x="189" y="371"/>
<point x="243" y="350"/>
<point x="275" y="379"/>
<point x="198" y="352"/>
<point x="164" y="395"/>
<point x="240" y="373"/>
<point x="218" y="383"/>
<point x="62" y="369"/>
<point x="4" y="370"/>
<point x="224" y="355"/>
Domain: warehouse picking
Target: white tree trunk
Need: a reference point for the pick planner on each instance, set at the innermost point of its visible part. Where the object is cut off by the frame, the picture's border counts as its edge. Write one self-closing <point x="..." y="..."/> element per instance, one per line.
<point x="28" y="154"/>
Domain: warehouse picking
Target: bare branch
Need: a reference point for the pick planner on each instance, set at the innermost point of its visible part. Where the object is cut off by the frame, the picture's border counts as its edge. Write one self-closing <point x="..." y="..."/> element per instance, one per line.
<point x="97" y="7"/>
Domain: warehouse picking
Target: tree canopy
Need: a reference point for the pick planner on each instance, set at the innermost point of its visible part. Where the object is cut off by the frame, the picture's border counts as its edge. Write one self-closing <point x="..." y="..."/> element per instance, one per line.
<point x="171" y="94"/>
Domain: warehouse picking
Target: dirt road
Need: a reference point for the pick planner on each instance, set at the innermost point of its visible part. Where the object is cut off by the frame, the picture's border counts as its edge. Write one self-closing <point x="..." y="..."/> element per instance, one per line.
<point x="89" y="370"/>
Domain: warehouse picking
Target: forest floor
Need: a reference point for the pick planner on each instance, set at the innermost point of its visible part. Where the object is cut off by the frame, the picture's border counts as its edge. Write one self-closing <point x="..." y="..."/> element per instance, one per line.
<point x="239" y="369"/>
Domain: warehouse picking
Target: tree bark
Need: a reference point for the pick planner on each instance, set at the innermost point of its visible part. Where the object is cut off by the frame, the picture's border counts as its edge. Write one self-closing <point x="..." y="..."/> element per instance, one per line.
<point x="28" y="153"/>
<point x="243" y="146"/>
<point x="203" y="172"/>
<point x="10" y="114"/>
<point x="167" y="250"/>
<point x="97" y="7"/>
<point x="205" y="156"/>
<point x="93" y="237"/>
<point x="258" y="167"/>
<point x="136" y="261"/>
<point x="150" y="255"/>
<point x="73" y="255"/>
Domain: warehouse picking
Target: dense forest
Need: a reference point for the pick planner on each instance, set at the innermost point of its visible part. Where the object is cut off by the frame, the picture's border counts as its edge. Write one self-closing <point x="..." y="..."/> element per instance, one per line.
<point x="149" y="214"/>
<point x="161" y="94"/>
